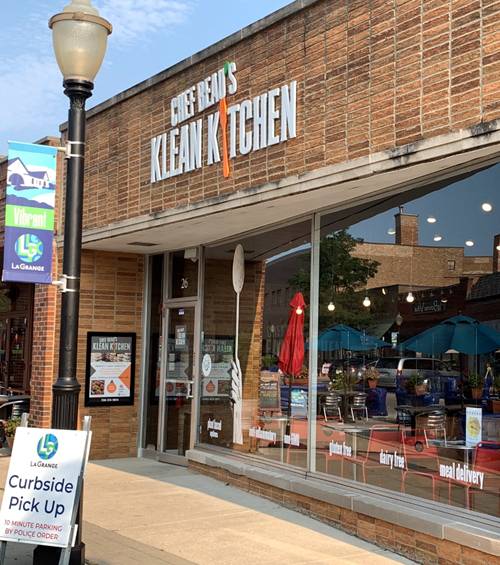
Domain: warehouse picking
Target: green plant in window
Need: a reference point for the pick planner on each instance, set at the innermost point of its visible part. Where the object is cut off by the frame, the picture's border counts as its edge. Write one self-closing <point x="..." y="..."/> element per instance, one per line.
<point x="268" y="361"/>
<point x="475" y="380"/>
<point x="416" y="384"/>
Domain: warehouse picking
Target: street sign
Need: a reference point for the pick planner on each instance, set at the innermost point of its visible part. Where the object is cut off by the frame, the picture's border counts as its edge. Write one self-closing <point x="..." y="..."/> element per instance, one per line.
<point x="43" y="486"/>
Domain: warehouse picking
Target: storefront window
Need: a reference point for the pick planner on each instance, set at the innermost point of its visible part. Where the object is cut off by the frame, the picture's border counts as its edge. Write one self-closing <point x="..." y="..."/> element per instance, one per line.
<point x="255" y="399"/>
<point x="408" y="347"/>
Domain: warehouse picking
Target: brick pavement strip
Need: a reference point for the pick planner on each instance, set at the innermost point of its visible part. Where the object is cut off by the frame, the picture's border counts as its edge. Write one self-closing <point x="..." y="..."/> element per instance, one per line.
<point x="139" y="511"/>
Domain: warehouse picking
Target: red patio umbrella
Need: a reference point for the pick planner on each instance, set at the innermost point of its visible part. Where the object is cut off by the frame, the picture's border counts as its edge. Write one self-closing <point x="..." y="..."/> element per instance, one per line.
<point x="291" y="357"/>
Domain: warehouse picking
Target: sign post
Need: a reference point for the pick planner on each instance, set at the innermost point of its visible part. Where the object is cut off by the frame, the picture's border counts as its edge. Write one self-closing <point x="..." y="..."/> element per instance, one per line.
<point x="43" y="488"/>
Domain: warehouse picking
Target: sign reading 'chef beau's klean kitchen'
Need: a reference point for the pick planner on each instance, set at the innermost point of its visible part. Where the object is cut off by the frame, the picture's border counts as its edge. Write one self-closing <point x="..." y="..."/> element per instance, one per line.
<point x="41" y="486"/>
<point x="230" y="129"/>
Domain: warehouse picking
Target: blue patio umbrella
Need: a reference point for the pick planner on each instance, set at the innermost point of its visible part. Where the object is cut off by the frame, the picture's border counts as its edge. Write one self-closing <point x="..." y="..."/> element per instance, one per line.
<point x="460" y="333"/>
<point x="341" y="336"/>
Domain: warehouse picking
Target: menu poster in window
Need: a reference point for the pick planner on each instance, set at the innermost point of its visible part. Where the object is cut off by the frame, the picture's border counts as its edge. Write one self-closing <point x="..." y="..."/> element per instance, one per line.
<point x="473" y="426"/>
<point x="110" y="370"/>
<point x="269" y="392"/>
<point x="180" y="338"/>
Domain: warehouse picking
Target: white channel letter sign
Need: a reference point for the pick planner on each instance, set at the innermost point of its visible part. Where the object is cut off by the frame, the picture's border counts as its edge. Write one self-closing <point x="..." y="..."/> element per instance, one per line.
<point x="41" y="485"/>
<point x="230" y="130"/>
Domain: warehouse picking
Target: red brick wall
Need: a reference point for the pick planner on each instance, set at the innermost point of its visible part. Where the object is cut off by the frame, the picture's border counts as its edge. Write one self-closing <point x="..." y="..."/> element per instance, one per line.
<point x="371" y="76"/>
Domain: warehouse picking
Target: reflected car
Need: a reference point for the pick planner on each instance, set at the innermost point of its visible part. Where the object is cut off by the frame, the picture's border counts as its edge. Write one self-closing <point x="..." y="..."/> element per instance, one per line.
<point x="397" y="369"/>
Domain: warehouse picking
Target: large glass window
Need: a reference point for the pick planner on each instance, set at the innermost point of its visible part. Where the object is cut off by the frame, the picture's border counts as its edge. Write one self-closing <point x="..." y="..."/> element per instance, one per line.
<point x="408" y="345"/>
<point x="403" y="391"/>
<point x="255" y="399"/>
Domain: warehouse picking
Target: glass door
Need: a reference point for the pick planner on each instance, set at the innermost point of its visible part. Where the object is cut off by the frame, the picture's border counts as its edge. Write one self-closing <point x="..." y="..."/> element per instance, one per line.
<point x="179" y="376"/>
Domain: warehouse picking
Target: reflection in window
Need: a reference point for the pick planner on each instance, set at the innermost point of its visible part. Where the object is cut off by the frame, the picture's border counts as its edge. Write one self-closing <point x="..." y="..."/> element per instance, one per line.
<point x="408" y="388"/>
<point x="268" y="390"/>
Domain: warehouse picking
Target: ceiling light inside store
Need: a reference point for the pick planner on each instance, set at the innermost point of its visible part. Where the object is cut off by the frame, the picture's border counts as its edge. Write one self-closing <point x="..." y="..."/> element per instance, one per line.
<point x="486" y="207"/>
<point x="444" y="300"/>
<point x="299" y="311"/>
<point x="498" y="247"/>
<point x="469" y="243"/>
<point x="431" y="220"/>
<point x="410" y="298"/>
<point x="391" y="231"/>
<point x="367" y="302"/>
<point x="331" y="307"/>
<point x="384" y="292"/>
<point x="437" y="237"/>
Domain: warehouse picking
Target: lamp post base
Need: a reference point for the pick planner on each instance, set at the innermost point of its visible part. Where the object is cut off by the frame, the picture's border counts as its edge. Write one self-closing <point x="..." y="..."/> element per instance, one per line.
<point x="45" y="555"/>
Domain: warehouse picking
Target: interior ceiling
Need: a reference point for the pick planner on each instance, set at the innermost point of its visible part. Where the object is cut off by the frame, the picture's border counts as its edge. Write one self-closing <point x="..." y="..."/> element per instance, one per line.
<point x="349" y="202"/>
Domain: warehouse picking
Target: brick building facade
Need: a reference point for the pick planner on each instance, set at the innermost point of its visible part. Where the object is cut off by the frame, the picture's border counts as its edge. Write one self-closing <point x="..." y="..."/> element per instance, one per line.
<point x="384" y="102"/>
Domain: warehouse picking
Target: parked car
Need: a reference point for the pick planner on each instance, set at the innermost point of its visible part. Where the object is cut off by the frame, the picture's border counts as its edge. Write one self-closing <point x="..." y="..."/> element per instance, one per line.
<point x="394" y="371"/>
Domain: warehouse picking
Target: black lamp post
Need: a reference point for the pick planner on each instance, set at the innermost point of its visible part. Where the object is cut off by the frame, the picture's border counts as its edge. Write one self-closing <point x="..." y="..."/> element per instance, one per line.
<point x="80" y="38"/>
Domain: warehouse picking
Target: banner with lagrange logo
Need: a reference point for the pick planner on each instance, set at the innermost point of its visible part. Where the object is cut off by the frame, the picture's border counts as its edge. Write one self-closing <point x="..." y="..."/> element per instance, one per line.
<point x="29" y="213"/>
<point x="41" y="486"/>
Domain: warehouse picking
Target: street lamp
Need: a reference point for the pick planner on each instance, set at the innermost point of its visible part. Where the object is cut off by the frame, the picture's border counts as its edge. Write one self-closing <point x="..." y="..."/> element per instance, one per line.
<point x="79" y="36"/>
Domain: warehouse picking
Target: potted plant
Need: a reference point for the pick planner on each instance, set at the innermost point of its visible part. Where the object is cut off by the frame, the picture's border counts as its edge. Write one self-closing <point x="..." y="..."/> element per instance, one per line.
<point x="476" y="383"/>
<point x="416" y="384"/>
<point x="10" y="427"/>
<point x="372" y="376"/>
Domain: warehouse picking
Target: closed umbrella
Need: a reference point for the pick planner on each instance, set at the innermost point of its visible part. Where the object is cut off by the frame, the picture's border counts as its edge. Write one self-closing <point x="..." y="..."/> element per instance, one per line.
<point x="460" y="333"/>
<point x="291" y="357"/>
<point x="341" y="336"/>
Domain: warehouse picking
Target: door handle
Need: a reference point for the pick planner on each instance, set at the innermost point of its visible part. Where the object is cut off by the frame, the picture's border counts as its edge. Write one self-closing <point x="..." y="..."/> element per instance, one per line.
<point x="189" y="393"/>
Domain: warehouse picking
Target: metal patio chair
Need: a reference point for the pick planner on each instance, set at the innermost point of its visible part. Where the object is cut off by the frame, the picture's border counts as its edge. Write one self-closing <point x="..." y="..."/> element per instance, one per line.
<point x="331" y="406"/>
<point x="432" y="422"/>
<point x="359" y="404"/>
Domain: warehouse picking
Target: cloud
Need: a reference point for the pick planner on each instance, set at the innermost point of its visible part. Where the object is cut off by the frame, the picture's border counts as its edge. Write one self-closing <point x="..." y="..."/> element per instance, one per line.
<point x="135" y="20"/>
<point x="30" y="93"/>
<point x="31" y="104"/>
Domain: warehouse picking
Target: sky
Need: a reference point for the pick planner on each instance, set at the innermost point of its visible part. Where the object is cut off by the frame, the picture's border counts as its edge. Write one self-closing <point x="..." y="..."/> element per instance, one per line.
<point x="148" y="37"/>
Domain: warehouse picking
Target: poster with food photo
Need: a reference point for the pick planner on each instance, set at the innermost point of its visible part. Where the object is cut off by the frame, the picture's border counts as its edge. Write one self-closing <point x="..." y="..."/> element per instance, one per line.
<point x="110" y="369"/>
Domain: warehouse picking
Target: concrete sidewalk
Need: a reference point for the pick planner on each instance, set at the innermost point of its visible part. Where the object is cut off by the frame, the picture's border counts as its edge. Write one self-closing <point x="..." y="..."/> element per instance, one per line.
<point x="139" y="511"/>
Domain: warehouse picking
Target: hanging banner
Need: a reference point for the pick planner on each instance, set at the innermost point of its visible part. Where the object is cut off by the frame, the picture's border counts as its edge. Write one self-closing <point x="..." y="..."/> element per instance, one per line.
<point x="29" y="213"/>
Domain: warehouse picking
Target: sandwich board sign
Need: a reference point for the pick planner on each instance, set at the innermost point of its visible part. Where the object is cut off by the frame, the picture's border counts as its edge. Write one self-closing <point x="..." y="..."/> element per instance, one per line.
<point x="43" y="487"/>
